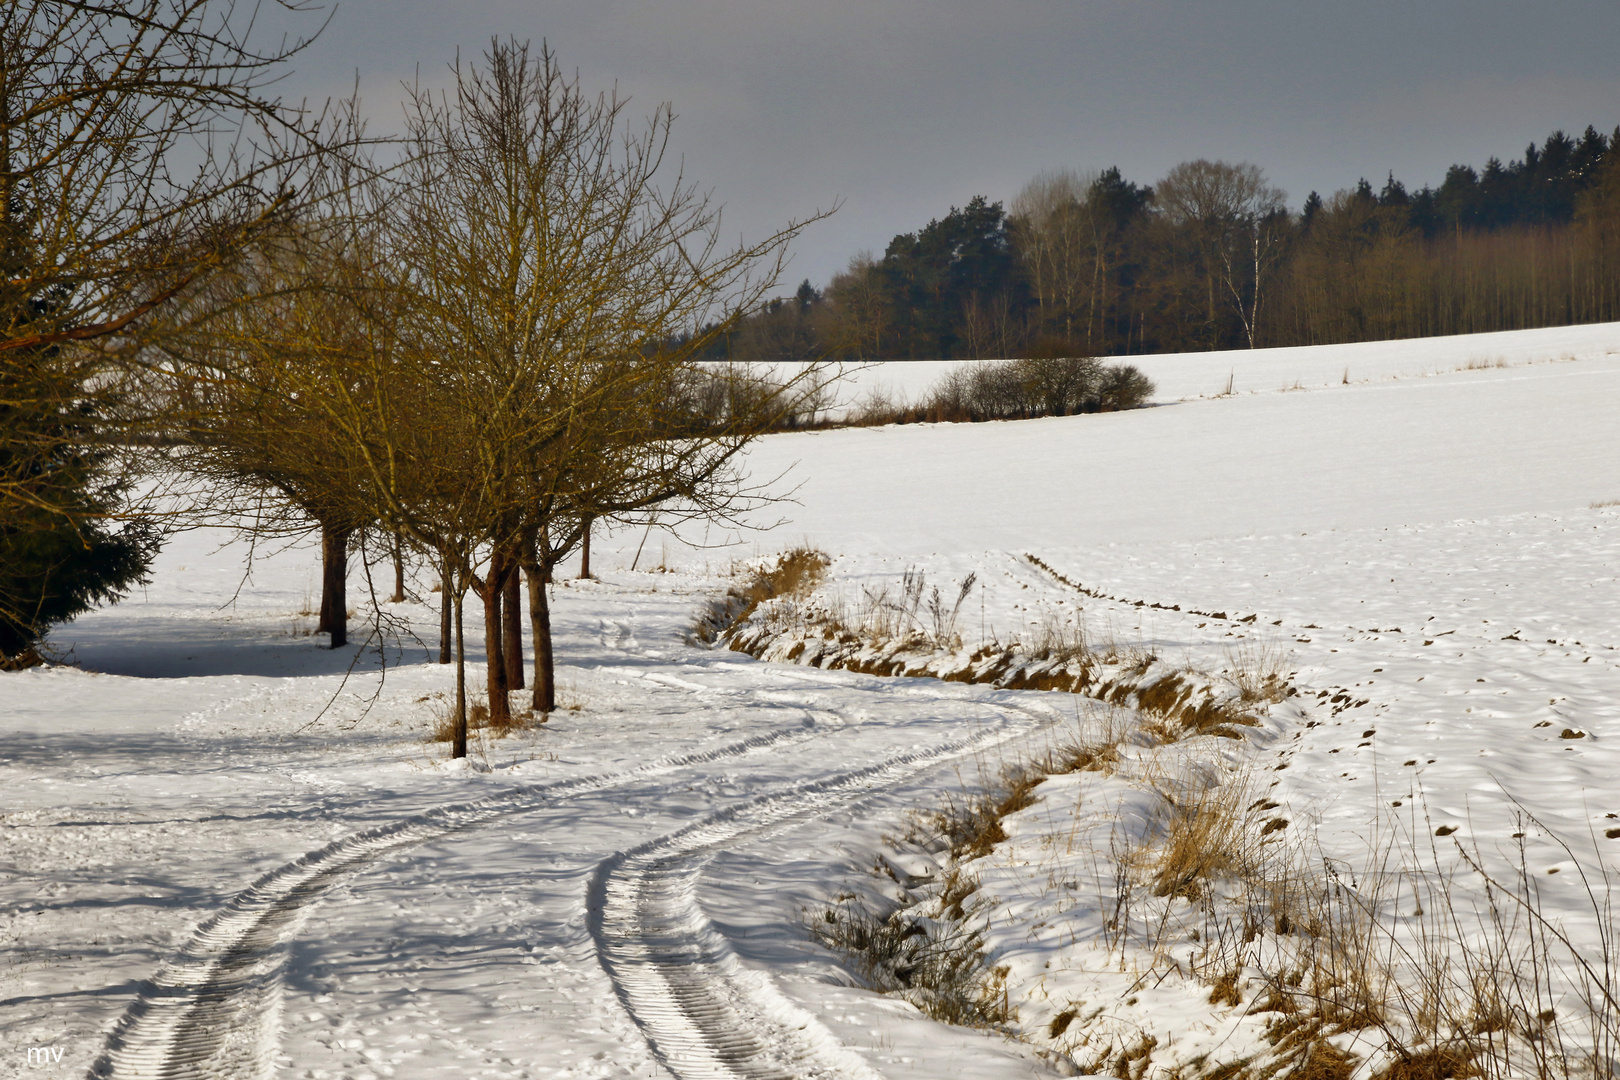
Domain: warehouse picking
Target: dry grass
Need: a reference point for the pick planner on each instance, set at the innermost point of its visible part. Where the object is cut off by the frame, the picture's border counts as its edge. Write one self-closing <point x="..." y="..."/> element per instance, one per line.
<point x="1205" y="839"/>
<point x="944" y="971"/>
<point x="1434" y="985"/>
<point x="1392" y="954"/>
<point x="1446" y="987"/>
<point x="794" y="575"/>
<point x="569" y="699"/>
<point x="1605" y="504"/>
<point x="943" y="974"/>
<point x="914" y="617"/>
<point x="444" y="719"/>
<point x="913" y="630"/>
<point x="971" y="826"/>
<point x="1260" y="672"/>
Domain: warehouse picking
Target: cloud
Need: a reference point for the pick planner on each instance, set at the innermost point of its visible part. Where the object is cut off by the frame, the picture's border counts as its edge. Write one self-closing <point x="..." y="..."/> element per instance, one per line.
<point x="905" y="107"/>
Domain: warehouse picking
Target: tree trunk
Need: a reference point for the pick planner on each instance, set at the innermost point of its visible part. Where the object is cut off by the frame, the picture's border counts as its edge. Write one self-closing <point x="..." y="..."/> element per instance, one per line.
<point x="489" y="591"/>
<point x="585" y="548"/>
<point x="459" y="746"/>
<point x="512" y="625"/>
<point x="545" y="676"/>
<point x="399" y="572"/>
<point x="334" y="618"/>
<point x="445" y="616"/>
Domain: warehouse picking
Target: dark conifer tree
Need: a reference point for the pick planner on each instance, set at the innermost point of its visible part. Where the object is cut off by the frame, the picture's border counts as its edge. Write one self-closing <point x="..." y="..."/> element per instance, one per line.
<point x="58" y="556"/>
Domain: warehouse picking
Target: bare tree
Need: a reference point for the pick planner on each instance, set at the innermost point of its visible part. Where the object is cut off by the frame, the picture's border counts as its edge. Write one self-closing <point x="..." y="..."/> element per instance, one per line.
<point x="860" y="308"/>
<point x="1238" y="221"/>
<point x="140" y="151"/>
<point x="1060" y="240"/>
<point x="542" y="291"/>
<point x="264" y="450"/>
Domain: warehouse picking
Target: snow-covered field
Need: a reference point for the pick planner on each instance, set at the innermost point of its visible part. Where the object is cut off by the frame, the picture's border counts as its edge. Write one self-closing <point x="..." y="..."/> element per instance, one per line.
<point x="1182" y="376"/>
<point x="623" y="892"/>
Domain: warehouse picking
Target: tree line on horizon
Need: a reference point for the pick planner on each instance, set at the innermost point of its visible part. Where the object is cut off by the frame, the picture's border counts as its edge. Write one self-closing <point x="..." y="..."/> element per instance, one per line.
<point x="1211" y="257"/>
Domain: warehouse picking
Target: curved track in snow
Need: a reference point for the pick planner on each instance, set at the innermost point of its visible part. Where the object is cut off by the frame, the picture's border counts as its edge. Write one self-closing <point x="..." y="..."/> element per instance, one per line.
<point x="213" y="1012"/>
<point x="705" y="1016"/>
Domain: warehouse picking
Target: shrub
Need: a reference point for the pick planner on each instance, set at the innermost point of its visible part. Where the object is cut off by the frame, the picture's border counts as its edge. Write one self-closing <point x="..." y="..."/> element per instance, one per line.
<point x="1039" y="386"/>
<point x="1123" y="386"/>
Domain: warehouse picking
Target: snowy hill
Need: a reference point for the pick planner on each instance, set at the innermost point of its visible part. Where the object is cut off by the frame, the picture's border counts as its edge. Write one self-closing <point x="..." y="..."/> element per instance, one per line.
<point x="1425" y="539"/>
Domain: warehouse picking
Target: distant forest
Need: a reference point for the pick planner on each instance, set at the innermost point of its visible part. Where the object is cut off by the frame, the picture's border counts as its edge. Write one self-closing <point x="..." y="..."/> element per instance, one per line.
<point x="1210" y="257"/>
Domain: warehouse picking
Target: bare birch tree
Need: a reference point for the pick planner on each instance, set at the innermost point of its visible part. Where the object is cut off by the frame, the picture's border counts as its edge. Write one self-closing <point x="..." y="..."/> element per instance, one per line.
<point x="1060" y="240"/>
<point x="1238" y="221"/>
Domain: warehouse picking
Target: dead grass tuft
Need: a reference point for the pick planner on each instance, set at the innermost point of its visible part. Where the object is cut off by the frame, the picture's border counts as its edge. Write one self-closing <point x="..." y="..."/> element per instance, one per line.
<point x="940" y="971"/>
<point x="1224" y="990"/>
<point x="1260" y="673"/>
<point x="1206" y="838"/>
<point x="794" y="575"/>
<point x="1318" y="1059"/>
<point x="444" y="719"/>
<point x="1436" y="1063"/>
<point x="1131" y="1063"/>
<point x="971" y="826"/>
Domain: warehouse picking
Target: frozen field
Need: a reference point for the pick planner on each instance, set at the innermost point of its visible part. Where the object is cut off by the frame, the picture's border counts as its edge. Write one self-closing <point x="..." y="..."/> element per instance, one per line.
<point x="1183" y="376"/>
<point x="624" y="891"/>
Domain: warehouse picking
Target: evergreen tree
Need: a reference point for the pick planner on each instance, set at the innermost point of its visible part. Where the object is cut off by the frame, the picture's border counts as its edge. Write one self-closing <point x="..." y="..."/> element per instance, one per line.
<point x="58" y="557"/>
<point x="140" y="152"/>
<point x="932" y="273"/>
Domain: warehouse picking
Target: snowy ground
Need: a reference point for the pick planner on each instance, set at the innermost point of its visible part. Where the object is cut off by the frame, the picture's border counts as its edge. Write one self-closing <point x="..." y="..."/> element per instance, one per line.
<point x="1181" y="376"/>
<point x="632" y="901"/>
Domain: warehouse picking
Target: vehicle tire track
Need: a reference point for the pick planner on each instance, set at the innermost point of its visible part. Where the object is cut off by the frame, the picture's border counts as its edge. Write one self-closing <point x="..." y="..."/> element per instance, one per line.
<point x="213" y="1012"/>
<point x="704" y="1015"/>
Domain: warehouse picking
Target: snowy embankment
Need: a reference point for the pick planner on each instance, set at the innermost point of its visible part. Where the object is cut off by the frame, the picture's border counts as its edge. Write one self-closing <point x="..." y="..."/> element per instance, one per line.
<point x="1420" y="554"/>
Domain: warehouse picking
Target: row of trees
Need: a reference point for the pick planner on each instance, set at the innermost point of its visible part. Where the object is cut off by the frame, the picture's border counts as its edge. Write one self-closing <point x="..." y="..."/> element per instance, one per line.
<point x="1210" y="257"/>
<point x="471" y="354"/>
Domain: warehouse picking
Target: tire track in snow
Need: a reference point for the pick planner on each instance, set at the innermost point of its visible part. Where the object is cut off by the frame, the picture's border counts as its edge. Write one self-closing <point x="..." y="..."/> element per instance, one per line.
<point x="213" y="1012"/>
<point x="706" y="1016"/>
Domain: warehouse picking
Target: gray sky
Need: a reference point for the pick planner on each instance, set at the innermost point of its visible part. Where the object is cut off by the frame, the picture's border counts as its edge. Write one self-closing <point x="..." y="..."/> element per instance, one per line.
<point x="902" y="108"/>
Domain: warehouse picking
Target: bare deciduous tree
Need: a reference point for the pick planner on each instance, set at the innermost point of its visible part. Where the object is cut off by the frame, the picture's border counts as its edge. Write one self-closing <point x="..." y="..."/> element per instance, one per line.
<point x="1060" y="241"/>
<point x="544" y="294"/>
<point x="1239" y="221"/>
<point x="860" y="308"/>
<point x="140" y="150"/>
<point x="238" y="412"/>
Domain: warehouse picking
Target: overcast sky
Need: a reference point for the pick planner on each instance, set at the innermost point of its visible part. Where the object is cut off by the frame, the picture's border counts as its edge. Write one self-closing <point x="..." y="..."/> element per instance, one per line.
<point x="901" y="108"/>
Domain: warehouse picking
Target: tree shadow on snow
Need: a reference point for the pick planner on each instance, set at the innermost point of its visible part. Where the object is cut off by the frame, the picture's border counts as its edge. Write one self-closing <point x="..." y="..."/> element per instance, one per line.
<point x="178" y="648"/>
